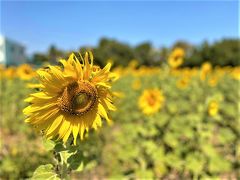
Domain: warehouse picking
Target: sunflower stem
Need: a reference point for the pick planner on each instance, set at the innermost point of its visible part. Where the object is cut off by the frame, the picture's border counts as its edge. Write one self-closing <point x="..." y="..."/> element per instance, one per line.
<point x="63" y="164"/>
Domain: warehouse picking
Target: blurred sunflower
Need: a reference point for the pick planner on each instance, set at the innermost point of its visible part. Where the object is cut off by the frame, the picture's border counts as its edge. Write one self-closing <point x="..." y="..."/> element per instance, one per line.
<point x="236" y="73"/>
<point x="10" y="72"/>
<point x="72" y="99"/>
<point x="2" y="69"/>
<point x="133" y="64"/>
<point x="136" y="85"/>
<point x="25" y="72"/>
<point x="213" y="108"/>
<point x="206" y="69"/>
<point x="151" y="101"/>
<point x="183" y="83"/>
<point x="176" y="57"/>
<point x="213" y="80"/>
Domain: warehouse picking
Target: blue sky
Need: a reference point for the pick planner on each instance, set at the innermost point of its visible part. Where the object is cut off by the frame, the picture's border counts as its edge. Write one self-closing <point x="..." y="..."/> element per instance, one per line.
<point x="69" y="25"/>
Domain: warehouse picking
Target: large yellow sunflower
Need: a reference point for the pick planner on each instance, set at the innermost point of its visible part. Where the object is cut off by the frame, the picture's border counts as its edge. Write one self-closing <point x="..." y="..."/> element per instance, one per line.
<point x="73" y="98"/>
<point x="151" y="101"/>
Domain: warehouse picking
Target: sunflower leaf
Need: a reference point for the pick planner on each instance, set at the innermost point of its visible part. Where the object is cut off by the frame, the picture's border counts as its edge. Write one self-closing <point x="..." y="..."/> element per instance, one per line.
<point x="48" y="144"/>
<point x="45" y="172"/>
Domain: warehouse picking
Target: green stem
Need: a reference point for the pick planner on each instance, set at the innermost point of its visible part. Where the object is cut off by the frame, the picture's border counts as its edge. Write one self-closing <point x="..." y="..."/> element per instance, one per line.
<point x="64" y="171"/>
<point x="63" y="164"/>
<point x="195" y="176"/>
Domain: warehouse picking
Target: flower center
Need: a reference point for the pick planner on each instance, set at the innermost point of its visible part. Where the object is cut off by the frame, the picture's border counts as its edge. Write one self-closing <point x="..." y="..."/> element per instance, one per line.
<point x="81" y="100"/>
<point x="27" y="71"/>
<point x="151" y="100"/>
<point x="78" y="98"/>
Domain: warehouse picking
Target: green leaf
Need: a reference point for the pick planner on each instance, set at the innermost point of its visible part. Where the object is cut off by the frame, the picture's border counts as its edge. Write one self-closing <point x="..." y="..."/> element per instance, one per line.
<point x="219" y="164"/>
<point x="195" y="162"/>
<point x="144" y="174"/>
<point x="76" y="161"/>
<point x="45" y="172"/>
<point x="59" y="147"/>
<point x="171" y="139"/>
<point x="173" y="157"/>
<point x="80" y="167"/>
<point x="226" y="136"/>
<point x="150" y="147"/>
<point x="160" y="169"/>
<point x="209" y="150"/>
<point x="48" y="144"/>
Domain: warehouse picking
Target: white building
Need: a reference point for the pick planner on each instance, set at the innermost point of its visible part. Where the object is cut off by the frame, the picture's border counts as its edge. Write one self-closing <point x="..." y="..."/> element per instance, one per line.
<point x="11" y="53"/>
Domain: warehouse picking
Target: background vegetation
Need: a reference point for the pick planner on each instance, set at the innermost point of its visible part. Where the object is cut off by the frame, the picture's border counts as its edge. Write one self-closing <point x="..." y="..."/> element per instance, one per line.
<point x="224" y="52"/>
<point x="180" y="141"/>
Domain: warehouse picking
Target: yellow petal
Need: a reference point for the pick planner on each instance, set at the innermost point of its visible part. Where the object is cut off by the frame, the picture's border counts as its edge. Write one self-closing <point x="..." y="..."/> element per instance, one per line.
<point x="97" y="122"/>
<point x="66" y="136"/>
<point x="102" y="112"/>
<point x="75" y="130"/>
<point x="55" y="124"/>
<point x="81" y="130"/>
<point x="64" y="128"/>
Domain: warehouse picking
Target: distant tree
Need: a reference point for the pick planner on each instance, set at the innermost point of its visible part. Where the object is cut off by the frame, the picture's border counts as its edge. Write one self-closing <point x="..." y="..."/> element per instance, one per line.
<point x="226" y="52"/>
<point x="39" y="58"/>
<point x="163" y="54"/>
<point x="119" y="53"/>
<point x="223" y="52"/>
<point x="54" y="54"/>
<point x="144" y="53"/>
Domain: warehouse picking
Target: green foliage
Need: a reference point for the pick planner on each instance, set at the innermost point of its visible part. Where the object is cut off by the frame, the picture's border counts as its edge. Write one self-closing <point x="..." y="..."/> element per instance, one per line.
<point x="114" y="51"/>
<point x="45" y="172"/>
<point x="12" y="95"/>
<point x="21" y="148"/>
<point x="222" y="53"/>
<point x="181" y="141"/>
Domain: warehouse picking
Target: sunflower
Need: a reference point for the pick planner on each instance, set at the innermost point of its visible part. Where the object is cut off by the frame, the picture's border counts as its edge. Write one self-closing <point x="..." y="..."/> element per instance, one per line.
<point x="183" y="83"/>
<point x="176" y="58"/>
<point x="136" y="85"/>
<point x="213" y="80"/>
<point x="151" y="101"/>
<point x="72" y="99"/>
<point x="2" y="69"/>
<point x="10" y="72"/>
<point x="236" y="73"/>
<point x="25" y="72"/>
<point x="206" y="69"/>
<point x="213" y="108"/>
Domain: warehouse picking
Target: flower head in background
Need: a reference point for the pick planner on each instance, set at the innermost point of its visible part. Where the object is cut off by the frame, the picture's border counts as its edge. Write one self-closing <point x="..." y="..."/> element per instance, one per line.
<point x="73" y="98"/>
<point x="2" y="69"/>
<point x="213" y="108"/>
<point x="10" y="72"/>
<point x="176" y="58"/>
<point x="151" y="101"/>
<point x="206" y="69"/>
<point x="213" y="80"/>
<point x="25" y="72"/>
<point x="183" y="82"/>
<point x="136" y="84"/>
<point x="236" y="73"/>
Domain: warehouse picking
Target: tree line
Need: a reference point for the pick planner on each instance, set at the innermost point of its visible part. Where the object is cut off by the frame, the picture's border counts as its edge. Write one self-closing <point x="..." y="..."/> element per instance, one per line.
<point x="224" y="52"/>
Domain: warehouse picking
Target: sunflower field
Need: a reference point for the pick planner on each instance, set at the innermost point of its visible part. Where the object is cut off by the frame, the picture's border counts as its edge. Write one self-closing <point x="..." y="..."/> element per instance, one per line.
<point x="161" y="122"/>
